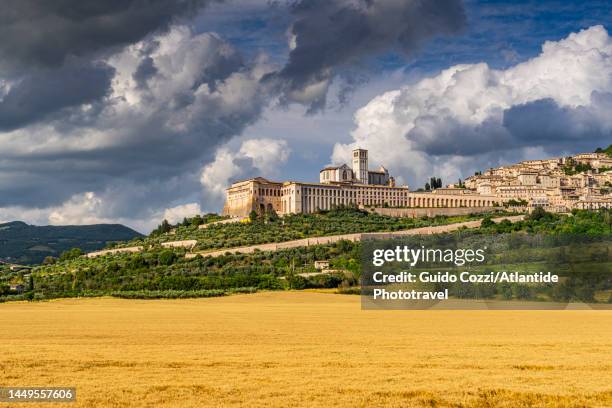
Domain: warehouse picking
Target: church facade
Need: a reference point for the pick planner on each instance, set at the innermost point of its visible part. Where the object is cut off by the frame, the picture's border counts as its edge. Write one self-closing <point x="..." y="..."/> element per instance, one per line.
<point x="340" y="185"/>
<point x="359" y="173"/>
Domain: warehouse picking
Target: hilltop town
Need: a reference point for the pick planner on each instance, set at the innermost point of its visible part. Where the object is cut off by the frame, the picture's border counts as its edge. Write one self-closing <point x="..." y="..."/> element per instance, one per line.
<point x="582" y="181"/>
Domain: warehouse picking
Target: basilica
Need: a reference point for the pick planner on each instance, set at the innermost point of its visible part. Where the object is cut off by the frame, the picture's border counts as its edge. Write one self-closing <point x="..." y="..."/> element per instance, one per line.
<point x="342" y="185"/>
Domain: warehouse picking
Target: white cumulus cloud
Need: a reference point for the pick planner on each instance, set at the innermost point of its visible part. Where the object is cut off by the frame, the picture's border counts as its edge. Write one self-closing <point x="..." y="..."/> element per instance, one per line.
<point x="176" y="214"/>
<point x="80" y="209"/>
<point x="255" y="157"/>
<point x="90" y="208"/>
<point x="472" y="116"/>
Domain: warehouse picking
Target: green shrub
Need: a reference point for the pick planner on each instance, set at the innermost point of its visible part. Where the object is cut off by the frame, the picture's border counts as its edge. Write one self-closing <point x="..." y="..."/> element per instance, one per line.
<point x="168" y="294"/>
<point x="166" y="257"/>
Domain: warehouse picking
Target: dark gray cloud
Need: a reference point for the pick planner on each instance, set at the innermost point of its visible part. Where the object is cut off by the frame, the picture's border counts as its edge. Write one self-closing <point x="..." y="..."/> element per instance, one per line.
<point x="452" y="137"/>
<point x="51" y="51"/>
<point x="544" y="122"/>
<point x="39" y="94"/>
<point x="541" y="123"/>
<point x="44" y="33"/>
<point x="333" y="34"/>
<point x="145" y="70"/>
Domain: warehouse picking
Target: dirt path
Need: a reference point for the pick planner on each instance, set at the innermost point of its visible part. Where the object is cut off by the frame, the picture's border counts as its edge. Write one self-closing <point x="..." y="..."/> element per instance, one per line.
<point x="275" y="246"/>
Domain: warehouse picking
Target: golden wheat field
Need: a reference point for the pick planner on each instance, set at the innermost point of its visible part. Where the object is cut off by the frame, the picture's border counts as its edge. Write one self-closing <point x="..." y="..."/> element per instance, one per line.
<point x="304" y="349"/>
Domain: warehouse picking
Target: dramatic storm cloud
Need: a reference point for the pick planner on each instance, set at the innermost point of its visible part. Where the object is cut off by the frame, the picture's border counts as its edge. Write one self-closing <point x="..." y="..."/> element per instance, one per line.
<point x="109" y="108"/>
<point x="52" y="53"/>
<point x="45" y="33"/>
<point x="471" y="116"/>
<point x="328" y="35"/>
<point x="134" y="110"/>
<point x="172" y="99"/>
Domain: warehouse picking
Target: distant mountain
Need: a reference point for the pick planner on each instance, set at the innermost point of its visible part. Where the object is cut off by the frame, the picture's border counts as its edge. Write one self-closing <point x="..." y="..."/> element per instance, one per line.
<point x="29" y="244"/>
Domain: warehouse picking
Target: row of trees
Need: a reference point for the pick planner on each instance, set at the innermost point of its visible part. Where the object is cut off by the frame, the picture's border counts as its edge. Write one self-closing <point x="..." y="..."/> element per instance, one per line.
<point x="433" y="184"/>
<point x="195" y="222"/>
<point x="540" y="221"/>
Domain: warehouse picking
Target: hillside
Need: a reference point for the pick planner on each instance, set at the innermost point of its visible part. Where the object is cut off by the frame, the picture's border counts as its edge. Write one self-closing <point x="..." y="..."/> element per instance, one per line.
<point x="271" y="228"/>
<point x="29" y="244"/>
<point x="166" y="272"/>
<point x="167" y="269"/>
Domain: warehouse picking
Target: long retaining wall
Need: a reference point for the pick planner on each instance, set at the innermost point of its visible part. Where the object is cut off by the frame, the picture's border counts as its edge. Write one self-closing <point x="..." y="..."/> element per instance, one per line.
<point x="232" y="220"/>
<point x="114" y="251"/>
<point x="430" y="212"/>
<point x="189" y="243"/>
<point x="351" y="237"/>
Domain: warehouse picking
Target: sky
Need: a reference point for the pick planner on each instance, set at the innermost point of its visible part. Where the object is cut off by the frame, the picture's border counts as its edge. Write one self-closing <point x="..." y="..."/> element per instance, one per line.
<point x="128" y="111"/>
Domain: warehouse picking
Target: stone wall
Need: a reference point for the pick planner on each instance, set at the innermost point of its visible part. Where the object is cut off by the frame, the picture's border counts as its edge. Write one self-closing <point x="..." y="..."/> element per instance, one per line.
<point x="189" y="243"/>
<point x="114" y="251"/>
<point x="431" y="212"/>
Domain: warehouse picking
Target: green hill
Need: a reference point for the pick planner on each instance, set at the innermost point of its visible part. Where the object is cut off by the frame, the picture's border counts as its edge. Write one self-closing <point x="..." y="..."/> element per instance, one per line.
<point x="162" y="269"/>
<point x="29" y="244"/>
<point x="166" y="272"/>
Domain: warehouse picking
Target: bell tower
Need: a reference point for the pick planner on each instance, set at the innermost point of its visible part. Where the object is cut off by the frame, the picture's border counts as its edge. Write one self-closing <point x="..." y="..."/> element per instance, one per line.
<point x="360" y="165"/>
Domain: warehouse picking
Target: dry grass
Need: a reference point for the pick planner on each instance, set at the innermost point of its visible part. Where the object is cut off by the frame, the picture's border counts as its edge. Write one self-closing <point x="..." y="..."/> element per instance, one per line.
<point x="306" y="349"/>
